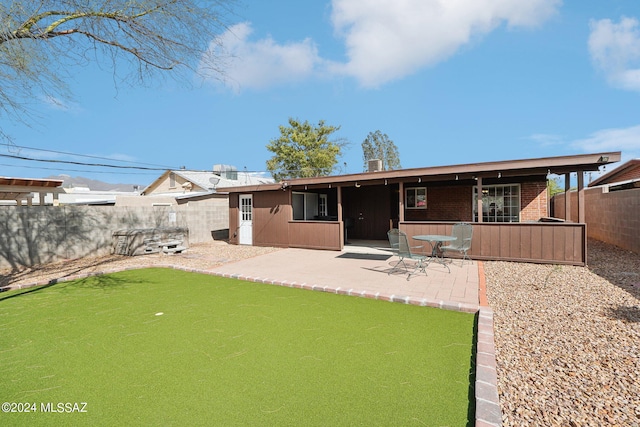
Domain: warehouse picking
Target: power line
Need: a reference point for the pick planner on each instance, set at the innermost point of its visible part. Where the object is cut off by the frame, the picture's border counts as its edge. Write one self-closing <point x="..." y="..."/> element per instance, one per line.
<point x="70" y="162"/>
<point x="84" y="155"/>
<point x="76" y="170"/>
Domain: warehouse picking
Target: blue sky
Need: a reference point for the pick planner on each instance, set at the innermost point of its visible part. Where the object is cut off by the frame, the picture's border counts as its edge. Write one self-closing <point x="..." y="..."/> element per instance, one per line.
<point x="448" y="81"/>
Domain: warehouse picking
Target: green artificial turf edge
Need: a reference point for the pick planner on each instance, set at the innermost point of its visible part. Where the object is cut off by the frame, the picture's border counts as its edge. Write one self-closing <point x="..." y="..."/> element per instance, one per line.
<point x="228" y="352"/>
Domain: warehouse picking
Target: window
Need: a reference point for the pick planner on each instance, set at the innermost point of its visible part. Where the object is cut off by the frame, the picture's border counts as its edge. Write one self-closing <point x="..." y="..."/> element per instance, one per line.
<point x="500" y="203"/>
<point x="245" y="208"/>
<point x="172" y="180"/>
<point x="322" y="205"/>
<point x="305" y="206"/>
<point x="416" y="198"/>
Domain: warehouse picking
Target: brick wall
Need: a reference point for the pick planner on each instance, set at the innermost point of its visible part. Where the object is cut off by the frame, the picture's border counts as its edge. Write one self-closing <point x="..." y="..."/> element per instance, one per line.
<point x="453" y="204"/>
<point x="533" y="201"/>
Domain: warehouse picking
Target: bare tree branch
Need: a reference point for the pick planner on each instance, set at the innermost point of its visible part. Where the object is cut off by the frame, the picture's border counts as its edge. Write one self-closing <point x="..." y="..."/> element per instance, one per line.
<point x="40" y="41"/>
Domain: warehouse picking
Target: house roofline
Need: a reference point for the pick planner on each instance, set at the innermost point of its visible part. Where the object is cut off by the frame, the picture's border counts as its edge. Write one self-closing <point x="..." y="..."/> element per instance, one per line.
<point x="610" y="176"/>
<point x="507" y="168"/>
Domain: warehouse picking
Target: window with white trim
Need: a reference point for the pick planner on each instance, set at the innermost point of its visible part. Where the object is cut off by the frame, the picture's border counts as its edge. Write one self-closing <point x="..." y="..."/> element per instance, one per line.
<point x="500" y="203"/>
<point x="322" y="205"/>
<point x="416" y="198"/>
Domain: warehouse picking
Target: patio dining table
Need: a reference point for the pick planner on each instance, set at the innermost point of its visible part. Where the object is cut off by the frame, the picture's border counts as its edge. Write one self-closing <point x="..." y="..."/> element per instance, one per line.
<point x="436" y="240"/>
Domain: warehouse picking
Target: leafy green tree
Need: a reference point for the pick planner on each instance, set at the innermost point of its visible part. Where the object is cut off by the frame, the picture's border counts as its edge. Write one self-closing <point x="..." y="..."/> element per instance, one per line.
<point x="42" y="40"/>
<point x="377" y="145"/>
<point x="304" y="150"/>
<point x="554" y="187"/>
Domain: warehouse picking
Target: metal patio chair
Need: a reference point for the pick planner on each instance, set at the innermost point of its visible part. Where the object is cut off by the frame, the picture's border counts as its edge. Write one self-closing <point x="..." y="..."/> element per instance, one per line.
<point x="393" y="239"/>
<point x="400" y="246"/>
<point x="463" y="232"/>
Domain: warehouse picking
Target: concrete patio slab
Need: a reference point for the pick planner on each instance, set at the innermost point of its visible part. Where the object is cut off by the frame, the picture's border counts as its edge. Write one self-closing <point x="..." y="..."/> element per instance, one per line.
<point x="366" y="271"/>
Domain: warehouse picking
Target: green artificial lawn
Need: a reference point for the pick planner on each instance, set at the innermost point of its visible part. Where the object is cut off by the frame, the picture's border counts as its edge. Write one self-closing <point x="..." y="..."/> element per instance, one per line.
<point x="229" y="353"/>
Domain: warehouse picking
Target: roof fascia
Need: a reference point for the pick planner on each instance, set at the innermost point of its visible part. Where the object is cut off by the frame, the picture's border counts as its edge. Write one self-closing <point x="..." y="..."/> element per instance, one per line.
<point x="510" y="168"/>
<point x="30" y="182"/>
<point x="622" y="169"/>
<point x="155" y="183"/>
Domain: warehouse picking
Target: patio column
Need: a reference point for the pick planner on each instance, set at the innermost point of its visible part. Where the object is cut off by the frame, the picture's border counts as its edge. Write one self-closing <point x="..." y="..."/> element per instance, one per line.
<point x="401" y="201"/>
<point x="581" y="206"/>
<point x="479" y="207"/>
<point x="339" y="203"/>
<point x="339" y="191"/>
<point x="567" y="196"/>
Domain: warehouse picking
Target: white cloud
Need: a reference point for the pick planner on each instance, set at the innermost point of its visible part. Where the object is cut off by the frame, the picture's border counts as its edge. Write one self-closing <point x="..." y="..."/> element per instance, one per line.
<point x="389" y="39"/>
<point x="615" y="50"/>
<point x="621" y="139"/>
<point x="262" y="63"/>
<point x="384" y="39"/>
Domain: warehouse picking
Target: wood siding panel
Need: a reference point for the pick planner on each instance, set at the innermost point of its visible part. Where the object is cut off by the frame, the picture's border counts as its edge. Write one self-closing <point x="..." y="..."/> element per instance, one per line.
<point x="546" y="244"/>
<point x="505" y="241"/>
<point x="233" y="218"/>
<point x="271" y="214"/>
<point x="315" y="234"/>
<point x="536" y="243"/>
<point x="515" y="241"/>
<point x="557" y="243"/>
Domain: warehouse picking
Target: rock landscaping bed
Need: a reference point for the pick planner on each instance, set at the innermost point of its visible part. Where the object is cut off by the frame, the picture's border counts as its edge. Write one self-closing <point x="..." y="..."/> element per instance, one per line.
<point x="568" y="340"/>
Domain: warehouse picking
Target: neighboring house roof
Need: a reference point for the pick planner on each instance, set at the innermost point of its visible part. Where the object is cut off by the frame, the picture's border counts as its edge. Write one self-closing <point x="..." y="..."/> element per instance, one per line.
<point x="626" y="172"/>
<point x="203" y="182"/>
<point x="511" y="168"/>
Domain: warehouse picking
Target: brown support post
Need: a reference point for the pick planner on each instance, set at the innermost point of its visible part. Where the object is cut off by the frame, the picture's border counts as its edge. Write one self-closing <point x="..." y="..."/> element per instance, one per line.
<point x="401" y="199"/>
<point x="340" y="217"/>
<point x="479" y="184"/>
<point x="567" y="197"/>
<point x="581" y="206"/>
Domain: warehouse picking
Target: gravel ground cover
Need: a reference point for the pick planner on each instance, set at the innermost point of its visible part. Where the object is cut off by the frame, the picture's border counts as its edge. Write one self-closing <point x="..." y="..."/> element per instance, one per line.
<point x="568" y="340"/>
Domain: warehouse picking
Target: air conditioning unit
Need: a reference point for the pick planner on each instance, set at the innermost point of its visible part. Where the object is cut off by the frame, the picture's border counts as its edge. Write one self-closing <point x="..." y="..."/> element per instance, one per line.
<point x="375" y="165"/>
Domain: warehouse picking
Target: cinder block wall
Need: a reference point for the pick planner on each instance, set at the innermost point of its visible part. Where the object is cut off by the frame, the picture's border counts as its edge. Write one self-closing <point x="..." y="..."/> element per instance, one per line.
<point x="39" y="234"/>
<point x="612" y="217"/>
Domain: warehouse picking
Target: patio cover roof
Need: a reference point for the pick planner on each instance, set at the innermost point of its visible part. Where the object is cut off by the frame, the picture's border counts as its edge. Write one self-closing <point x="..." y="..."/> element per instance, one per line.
<point x="21" y="188"/>
<point x="509" y="168"/>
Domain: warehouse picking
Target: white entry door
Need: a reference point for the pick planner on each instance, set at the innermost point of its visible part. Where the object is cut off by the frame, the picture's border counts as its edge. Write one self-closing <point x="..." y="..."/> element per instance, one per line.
<point x="246" y="220"/>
